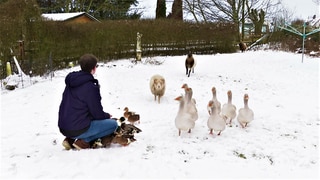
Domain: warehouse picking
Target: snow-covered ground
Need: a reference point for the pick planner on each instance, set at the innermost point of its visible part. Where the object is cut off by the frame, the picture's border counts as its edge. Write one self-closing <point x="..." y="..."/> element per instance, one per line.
<point x="281" y="142"/>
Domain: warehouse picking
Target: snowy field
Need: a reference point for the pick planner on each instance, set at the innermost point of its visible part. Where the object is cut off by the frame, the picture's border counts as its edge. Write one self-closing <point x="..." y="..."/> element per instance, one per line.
<point x="281" y="142"/>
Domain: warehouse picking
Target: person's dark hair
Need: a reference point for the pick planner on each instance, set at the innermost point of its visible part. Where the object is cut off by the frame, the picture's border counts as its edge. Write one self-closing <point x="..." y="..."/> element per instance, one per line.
<point x="88" y="62"/>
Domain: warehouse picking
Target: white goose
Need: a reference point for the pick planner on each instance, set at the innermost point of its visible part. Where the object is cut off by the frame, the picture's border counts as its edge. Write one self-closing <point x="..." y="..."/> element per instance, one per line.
<point x="215" y="122"/>
<point x="215" y="100"/>
<point x="229" y="110"/>
<point x="183" y="120"/>
<point x="190" y="105"/>
<point x="245" y="114"/>
<point x="185" y="87"/>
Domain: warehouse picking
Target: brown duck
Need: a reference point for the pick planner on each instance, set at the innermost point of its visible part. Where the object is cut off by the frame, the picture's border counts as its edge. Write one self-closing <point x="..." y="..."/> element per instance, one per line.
<point x="132" y="117"/>
<point x="120" y="139"/>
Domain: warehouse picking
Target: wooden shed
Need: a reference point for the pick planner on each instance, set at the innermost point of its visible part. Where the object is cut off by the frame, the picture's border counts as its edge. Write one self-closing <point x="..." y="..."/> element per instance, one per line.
<point x="77" y="17"/>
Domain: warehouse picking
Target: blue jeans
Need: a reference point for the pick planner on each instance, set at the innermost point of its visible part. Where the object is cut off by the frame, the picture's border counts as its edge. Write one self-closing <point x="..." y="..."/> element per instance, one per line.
<point x="98" y="129"/>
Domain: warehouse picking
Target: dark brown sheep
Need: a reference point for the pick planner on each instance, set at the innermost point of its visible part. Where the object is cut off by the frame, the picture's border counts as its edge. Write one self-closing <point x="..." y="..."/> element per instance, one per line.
<point x="242" y="46"/>
<point x="190" y="64"/>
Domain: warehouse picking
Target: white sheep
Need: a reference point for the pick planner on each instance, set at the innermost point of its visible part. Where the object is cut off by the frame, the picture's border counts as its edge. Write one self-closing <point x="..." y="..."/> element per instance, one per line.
<point x="157" y="86"/>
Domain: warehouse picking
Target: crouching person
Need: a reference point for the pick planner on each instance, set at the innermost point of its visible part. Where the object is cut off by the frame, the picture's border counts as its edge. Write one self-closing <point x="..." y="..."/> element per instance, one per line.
<point x="81" y="116"/>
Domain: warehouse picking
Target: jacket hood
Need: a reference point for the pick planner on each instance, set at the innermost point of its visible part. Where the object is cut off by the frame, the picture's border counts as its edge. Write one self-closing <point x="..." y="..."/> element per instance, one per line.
<point x="78" y="78"/>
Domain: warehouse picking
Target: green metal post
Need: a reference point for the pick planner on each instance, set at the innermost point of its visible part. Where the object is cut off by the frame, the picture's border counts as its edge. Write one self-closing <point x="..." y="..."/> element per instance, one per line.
<point x="303" y="39"/>
<point x="304" y="35"/>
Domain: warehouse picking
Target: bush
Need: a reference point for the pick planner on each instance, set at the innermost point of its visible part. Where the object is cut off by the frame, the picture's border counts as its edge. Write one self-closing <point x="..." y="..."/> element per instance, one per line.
<point x="111" y="40"/>
<point x="47" y="45"/>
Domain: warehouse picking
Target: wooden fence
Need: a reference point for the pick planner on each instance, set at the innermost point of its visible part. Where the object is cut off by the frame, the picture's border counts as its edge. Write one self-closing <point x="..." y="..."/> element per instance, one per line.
<point x="111" y="40"/>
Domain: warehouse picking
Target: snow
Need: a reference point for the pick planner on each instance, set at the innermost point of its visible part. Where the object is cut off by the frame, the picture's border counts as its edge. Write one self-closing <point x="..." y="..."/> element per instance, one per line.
<point x="281" y="142"/>
<point x="61" y="16"/>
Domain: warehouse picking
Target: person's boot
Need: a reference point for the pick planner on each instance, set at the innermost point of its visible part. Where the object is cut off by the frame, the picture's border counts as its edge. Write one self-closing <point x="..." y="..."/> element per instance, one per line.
<point x="81" y="144"/>
<point x="67" y="143"/>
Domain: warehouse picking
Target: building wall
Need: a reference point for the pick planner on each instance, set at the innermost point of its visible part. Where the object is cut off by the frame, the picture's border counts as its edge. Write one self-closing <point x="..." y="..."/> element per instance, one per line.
<point x="80" y="19"/>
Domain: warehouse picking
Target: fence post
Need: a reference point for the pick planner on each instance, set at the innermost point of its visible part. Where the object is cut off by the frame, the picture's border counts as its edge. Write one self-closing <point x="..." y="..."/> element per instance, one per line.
<point x="139" y="50"/>
<point x="70" y="65"/>
<point x="9" y="72"/>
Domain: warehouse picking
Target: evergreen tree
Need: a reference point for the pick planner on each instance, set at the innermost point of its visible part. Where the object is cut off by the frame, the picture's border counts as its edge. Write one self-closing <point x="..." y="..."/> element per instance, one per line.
<point x="161" y="9"/>
<point x="176" y="12"/>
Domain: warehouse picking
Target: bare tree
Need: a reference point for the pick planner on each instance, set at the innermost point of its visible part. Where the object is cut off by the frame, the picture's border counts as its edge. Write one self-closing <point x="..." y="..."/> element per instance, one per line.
<point x="190" y="6"/>
<point x="257" y="17"/>
<point x="281" y="16"/>
<point x="196" y="9"/>
<point x="235" y="11"/>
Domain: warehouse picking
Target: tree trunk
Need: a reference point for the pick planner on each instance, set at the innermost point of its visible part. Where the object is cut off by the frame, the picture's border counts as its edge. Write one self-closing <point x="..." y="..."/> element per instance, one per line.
<point x="161" y="9"/>
<point x="176" y="12"/>
<point x="242" y="20"/>
<point x="257" y="20"/>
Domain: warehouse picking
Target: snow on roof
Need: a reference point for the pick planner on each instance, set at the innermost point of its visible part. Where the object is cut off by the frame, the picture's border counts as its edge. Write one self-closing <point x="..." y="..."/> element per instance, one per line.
<point x="66" y="16"/>
<point x="61" y="16"/>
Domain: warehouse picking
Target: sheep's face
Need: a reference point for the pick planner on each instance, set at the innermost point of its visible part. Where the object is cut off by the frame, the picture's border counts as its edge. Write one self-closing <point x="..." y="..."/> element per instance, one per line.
<point x="159" y="84"/>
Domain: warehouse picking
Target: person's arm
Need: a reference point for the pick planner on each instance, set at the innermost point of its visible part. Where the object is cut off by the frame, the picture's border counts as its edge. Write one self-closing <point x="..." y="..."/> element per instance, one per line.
<point x="94" y="104"/>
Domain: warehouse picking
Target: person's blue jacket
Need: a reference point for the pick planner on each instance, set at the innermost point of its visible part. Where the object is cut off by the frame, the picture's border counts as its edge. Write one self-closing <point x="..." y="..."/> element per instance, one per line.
<point x="81" y="103"/>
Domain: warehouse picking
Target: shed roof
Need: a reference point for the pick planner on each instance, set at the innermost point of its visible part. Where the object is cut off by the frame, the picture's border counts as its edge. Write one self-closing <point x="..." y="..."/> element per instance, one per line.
<point x="67" y="16"/>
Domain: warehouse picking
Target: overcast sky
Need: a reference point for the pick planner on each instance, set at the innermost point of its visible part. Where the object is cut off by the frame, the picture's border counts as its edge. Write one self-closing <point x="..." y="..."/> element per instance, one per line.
<point x="302" y="9"/>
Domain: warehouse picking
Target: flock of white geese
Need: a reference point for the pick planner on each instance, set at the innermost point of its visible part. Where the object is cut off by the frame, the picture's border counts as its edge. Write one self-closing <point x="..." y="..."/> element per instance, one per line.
<point x="219" y="116"/>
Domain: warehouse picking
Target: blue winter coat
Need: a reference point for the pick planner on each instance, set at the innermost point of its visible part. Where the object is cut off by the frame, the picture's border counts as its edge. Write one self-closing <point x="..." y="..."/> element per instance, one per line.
<point x="81" y="103"/>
